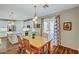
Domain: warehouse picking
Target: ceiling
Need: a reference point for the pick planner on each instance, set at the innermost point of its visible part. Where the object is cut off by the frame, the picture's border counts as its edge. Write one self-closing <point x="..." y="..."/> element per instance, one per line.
<point x="27" y="10"/>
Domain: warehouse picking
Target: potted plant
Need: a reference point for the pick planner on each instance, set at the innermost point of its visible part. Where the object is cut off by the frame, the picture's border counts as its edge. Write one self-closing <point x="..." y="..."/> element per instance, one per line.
<point x="33" y="33"/>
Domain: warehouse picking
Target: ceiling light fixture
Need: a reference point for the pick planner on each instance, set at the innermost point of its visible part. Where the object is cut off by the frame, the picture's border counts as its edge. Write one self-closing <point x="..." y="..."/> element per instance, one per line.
<point x="35" y="16"/>
<point x="45" y="6"/>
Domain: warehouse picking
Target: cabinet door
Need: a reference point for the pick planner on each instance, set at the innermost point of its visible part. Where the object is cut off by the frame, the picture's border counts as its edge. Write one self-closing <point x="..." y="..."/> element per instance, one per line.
<point x="12" y="38"/>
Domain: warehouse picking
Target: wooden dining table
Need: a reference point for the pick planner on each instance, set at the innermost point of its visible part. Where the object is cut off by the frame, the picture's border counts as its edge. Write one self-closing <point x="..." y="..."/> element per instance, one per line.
<point x="39" y="42"/>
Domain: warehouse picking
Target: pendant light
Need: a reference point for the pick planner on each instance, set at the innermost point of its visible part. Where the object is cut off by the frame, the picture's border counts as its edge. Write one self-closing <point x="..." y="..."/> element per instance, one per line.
<point x="35" y="16"/>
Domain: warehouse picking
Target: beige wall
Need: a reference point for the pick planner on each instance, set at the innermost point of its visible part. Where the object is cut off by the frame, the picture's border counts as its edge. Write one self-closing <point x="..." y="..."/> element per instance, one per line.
<point x="78" y="28"/>
<point x="69" y="38"/>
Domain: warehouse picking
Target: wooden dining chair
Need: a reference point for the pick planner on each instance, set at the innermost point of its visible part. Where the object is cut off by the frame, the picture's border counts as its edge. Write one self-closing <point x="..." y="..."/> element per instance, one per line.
<point x="19" y="39"/>
<point x="45" y="35"/>
<point x="20" y="45"/>
<point x="27" y="46"/>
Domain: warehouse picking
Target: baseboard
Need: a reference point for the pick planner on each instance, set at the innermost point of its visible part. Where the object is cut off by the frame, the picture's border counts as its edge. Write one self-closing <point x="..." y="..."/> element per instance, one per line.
<point x="71" y="48"/>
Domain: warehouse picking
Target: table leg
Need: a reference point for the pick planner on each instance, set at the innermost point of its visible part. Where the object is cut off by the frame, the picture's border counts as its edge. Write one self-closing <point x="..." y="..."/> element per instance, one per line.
<point x="49" y="47"/>
<point x="39" y="51"/>
<point x="43" y="50"/>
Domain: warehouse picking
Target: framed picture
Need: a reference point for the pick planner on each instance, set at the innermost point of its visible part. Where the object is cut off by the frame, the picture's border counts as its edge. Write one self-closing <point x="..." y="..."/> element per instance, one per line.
<point x="67" y="26"/>
<point x="37" y="25"/>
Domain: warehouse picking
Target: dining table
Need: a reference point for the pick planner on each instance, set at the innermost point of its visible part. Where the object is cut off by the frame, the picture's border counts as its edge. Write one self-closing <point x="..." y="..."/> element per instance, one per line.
<point x="39" y="43"/>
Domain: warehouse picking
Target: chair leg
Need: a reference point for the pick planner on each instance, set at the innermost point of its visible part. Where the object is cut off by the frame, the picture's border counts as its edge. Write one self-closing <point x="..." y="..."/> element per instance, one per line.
<point x="19" y="50"/>
<point x="49" y="47"/>
<point x="23" y="51"/>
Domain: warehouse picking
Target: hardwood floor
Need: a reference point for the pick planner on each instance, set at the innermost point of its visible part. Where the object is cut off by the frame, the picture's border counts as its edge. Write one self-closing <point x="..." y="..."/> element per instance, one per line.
<point x="10" y="50"/>
<point x="64" y="50"/>
<point x="13" y="49"/>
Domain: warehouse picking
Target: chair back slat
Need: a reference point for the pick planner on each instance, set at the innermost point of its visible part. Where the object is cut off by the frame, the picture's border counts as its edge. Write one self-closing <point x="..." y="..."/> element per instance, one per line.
<point x="26" y="44"/>
<point x="21" y="42"/>
<point x="19" y="39"/>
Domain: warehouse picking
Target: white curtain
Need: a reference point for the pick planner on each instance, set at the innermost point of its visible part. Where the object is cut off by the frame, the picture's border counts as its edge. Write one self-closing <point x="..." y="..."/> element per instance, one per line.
<point x="51" y="26"/>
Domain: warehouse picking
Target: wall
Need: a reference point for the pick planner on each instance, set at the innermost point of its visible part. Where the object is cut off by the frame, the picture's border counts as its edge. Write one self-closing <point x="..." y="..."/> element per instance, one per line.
<point x="69" y="38"/>
<point x="78" y="28"/>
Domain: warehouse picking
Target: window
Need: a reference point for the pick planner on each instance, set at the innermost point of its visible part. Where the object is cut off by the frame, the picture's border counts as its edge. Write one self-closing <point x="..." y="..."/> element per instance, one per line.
<point x="51" y="26"/>
<point x="51" y="33"/>
<point x="45" y="27"/>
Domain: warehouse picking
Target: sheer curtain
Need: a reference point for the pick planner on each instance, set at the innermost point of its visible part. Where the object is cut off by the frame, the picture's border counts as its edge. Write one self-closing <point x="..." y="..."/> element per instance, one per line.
<point x="51" y="27"/>
<point x="51" y="32"/>
<point x="45" y="28"/>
